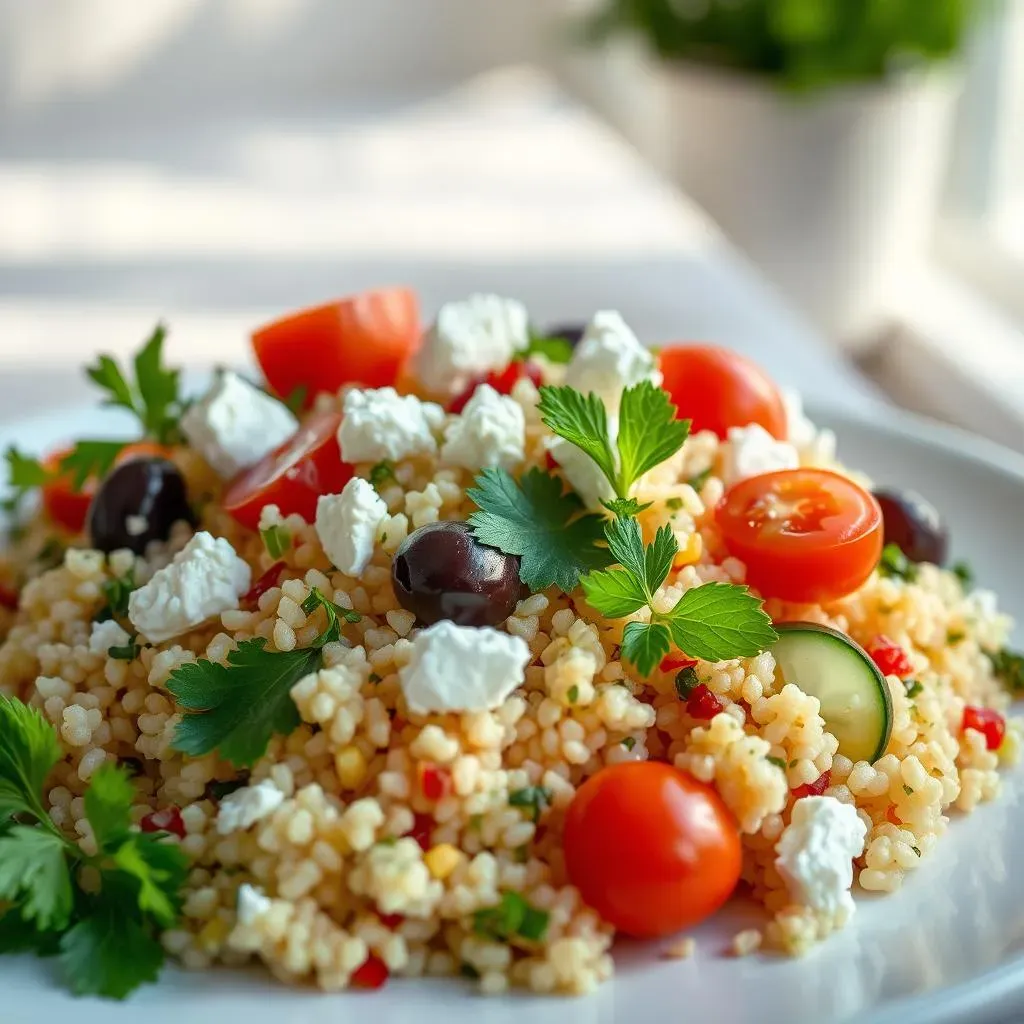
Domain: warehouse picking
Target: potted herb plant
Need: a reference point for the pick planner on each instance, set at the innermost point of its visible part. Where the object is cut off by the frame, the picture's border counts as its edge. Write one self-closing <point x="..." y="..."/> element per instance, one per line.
<point x="816" y="132"/>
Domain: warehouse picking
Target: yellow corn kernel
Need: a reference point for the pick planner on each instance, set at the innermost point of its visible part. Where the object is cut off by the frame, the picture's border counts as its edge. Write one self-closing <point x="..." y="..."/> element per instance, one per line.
<point x="350" y="764"/>
<point x="689" y="552"/>
<point x="213" y="935"/>
<point x="442" y="860"/>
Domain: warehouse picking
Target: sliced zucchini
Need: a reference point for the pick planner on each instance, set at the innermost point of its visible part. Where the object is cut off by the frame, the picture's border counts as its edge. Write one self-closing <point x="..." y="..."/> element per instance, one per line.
<point x="854" y="696"/>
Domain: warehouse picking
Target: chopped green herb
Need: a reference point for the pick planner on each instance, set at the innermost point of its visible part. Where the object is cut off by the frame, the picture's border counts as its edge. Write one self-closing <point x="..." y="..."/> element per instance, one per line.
<point x="964" y="573"/>
<point x="51" y="554"/>
<point x="779" y="762"/>
<point x="536" y="798"/>
<point x="475" y="821"/>
<point x="674" y="503"/>
<point x="1008" y="667"/>
<point x="954" y="636"/>
<point x="554" y="350"/>
<point x="117" y="591"/>
<point x="522" y="853"/>
<point x="296" y="399"/>
<point x="276" y="539"/>
<point x="895" y="565"/>
<point x="573" y="694"/>
<point x="387" y="841"/>
<point x="381" y="473"/>
<point x="89" y="460"/>
<point x="218" y="790"/>
<point x="698" y="481"/>
<point x="513" y="917"/>
<point x="129" y="652"/>
<point x="467" y="970"/>
<point x="629" y="743"/>
<point x="907" y="789"/>
<point x="374" y="678"/>
<point x="913" y="687"/>
<point x="794" y="762"/>
<point x="916" y="850"/>
<point x="686" y="682"/>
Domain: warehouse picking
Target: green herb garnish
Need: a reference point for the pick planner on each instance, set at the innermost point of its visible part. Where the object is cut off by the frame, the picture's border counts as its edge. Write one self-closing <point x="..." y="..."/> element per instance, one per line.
<point x="686" y="682"/>
<point x="537" y="798"/>
<point x="553" y="349"/>
<point x="512" y="918"/>
<point x="629" y="743"/>
<point x="698" y="481"/>
<point x="117" y="591"/>
<point x="674" y="503"/>
<point x="895" y="565"/>
<point x="913" y="687"/>
<point x="964" y="573"/>
<point x="381" y="473"/>
<point x="777" y="761"/>
<point x="296" y="399"/>
<point x="276" y="539"/>
<point x="1008" y="667"/>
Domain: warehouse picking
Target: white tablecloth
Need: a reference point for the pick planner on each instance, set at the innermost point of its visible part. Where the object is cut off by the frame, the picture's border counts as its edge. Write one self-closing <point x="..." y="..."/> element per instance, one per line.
<point x="215" y="224"/>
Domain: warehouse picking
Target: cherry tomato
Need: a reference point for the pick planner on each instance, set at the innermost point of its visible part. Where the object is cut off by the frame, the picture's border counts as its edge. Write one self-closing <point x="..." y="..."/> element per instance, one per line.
<point x="718" y="389"/>
<point x="294" y="476"/>
<point x="503" y="381"/>
<point x="890" y="658"/>
<point x="70" y="508"/>
<point x="806" y="535"/>
<point x="363" y="339"/>
<point x="988" y="722"/>
<point x="650" y="848"/>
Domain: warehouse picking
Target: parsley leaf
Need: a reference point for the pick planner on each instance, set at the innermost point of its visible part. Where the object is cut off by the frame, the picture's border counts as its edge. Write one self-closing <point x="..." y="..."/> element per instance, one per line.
<point x="894" y="564"/>
<point x="24" y="475"/>
<point x="28" y="752"/>
<point x="614" y="593"/>
<point x="583" y="421"/>
<point x="108" y="805"/>
<point x="964" y="573"/>
<point x="1008" y="666"/>
<point x="698" y="481"/>
<point x="34" y="873"/>
<point x="381" y="472"/>
<point x="512" y="917"/>
<point x="90" y="459"/>
<point x="535" y="520"/>
<point x="296" y="399"/>
<point x="107" y="374"/>
<point x="622" y="508"/>
<point x="552" y="348"/>
<point x="534" y="797"/>
<point x="617" y="593"/>
<point x="649" y="432"/>
<point x="645" y="644"/>
<point x="276" y="539"/>
<point x="117" y="592"/>
<point x="718" y="621"/>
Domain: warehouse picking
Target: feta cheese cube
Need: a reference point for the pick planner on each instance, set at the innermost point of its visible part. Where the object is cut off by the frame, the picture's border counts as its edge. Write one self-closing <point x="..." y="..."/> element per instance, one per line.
<point x="490" y="432"/>
<point x="462" y="668"/>
<point x="610" y="358"/>
<point x="382" y="424"/>
<point x="582" y="472"/>
<point x="246" y="806"/>
<point x="469" y="339"/>
<point x="252" y="904"/>
<point x="816" y="851"/>
<point x="815" y="447"/>
<point x="205" y="579"/>
<point x="347" y="525"/>
<point x="235" y="424"/>
<point x="751" y="451"/>
<point x="106" y="635"/>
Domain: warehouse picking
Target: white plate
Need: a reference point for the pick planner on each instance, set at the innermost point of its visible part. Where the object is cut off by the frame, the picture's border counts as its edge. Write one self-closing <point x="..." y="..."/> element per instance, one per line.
<point x="945" y="949"/>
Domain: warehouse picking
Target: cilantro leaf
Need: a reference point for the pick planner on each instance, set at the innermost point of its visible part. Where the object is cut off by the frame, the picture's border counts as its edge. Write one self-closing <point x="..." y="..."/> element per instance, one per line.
<point x="614" y="593"/>
<point x="236" y="708"/>
<point x="552" y="348"/>
<point x="34" y="874"/>
<point x="896" y="565"/>
<point x="645" y="644"/>
<point x="108" y="805"/>
<point x="90" y="459"/>
<point x="159" y="869"/>
<point x="649" y="432"/>
<point x="110" y="952"/>
<point x="658" y="557"/>
<point x="1008" y="667"/>
<point x="623" y="508"/>
<point x="158" y="388"/>
<point x="535" y="520"/>
<point x="719" y="621"/>
<point x="698" y="481"/>
<point x="626" y="544"/>
<point x="28" y="752"/>
<point x="583" y="421"/>
<point x="24" y="475"/>
<point x="534" y="797"/>
<point x="117" y="592"/>
<point x="512" y="917"/>
<point x="107" y="374"/>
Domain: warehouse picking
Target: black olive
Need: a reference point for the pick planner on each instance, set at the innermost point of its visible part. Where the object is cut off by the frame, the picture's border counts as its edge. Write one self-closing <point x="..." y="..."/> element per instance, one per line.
<point x="441" y="571"/>
<point x="914" y="525"/>
<point x="571" y="333"/>
<point x="138" y="503"/>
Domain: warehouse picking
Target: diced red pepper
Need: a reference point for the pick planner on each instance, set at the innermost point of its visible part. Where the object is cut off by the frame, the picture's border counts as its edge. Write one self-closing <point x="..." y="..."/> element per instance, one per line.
<point x="422" y="830"/>
<point x="503" y="381"/>
<point x="988" y="722"/>
<point x="166" y="820"/>
<point x="8" y="598"/>
<point x="391" y="920"/>
<point x="815" y="788"/>
<point x="435" y="782"/>
<point x="372" y="974"/>
<point x="890" y="658"/>
<point x="703" y="704"/>
<point x="267" y="581"/>
<point x="676" y="662"/>
<point x="549" y="462"/>
<point x="892" y="816"/>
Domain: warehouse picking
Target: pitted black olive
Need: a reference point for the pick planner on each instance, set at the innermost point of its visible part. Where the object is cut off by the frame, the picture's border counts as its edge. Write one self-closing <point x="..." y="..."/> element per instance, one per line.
<point x="914" y="525"/>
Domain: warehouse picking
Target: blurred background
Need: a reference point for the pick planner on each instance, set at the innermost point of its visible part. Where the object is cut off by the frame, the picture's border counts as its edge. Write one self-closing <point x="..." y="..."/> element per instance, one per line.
<point x="834" y="186"/>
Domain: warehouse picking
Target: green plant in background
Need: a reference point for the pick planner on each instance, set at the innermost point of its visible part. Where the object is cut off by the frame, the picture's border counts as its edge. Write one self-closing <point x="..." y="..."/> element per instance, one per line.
<point x="804" y="45"/>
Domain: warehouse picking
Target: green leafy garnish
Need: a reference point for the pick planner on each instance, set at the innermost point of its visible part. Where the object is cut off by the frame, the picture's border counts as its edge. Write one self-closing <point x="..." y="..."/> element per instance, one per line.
<point x="512" y="918"/>
<point x="698" y="481"/>
<point x="105" y="936"/>
<point x="913" y="687"/>
<point x="777" y="761"/>
<point x="894" y="564"/>
<point x="117" y="591"/>
<point x="534" y="797"/>
<point x="629" y="742"/>
<point x="381" y="472"/>
<point x="24" y="475"/>
<point x="686" y="682"/>
<point x="964" y="573"/>
<point x="712" y="622"/>
<point x="675" y="504"/>
<point x="296" y="400"/>
<point x="276" y="539"/>
<point x="649" y="432"/>
<point x="553" y="349"/>
<point x="129" y="652"/>
<point x="236" y="708"/>
<point x="535" y="520"/>
<point x="1008" y="667"/>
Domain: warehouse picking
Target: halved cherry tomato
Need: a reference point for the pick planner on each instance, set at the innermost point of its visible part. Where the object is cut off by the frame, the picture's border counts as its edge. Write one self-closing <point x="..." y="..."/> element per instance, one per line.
<point x="718" y="389"/>
<point x="650" y="848"/>
<point x="503" y="381"/>
<point x="70" y="508"/>
<point x="294" y="476"/>
<point x="362" y="339"/>
<point x="806" y="535"/>
<point x="988" y="722"/>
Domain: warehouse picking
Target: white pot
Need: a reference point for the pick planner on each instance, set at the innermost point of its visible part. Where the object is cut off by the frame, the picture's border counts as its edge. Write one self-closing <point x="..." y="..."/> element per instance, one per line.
<point x="833" y="195"/>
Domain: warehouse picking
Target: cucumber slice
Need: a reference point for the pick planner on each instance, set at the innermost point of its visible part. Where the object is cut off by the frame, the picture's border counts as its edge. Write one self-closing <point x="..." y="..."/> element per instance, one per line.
<point x="854" y="695"/>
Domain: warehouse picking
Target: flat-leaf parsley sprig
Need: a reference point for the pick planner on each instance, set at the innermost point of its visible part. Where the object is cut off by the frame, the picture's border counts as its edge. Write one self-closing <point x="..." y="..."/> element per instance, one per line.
<point x="236" y="708"/>
<point x="104" y="929"/>
<point x="649" y="433"/>
<point x="713" y="622"/>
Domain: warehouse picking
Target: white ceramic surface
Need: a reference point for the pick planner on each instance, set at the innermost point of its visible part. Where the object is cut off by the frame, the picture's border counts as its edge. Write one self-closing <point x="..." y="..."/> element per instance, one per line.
<point x="946" y="949"/>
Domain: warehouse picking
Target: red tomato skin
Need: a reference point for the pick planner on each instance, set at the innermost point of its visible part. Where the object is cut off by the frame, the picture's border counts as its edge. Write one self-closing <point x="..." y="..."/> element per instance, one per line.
<point x="650" y="848"/>
<point x="890" y="658"/>
<point x="294" y="476"/>
<point x="815" y="788"/>
<point x="717" y="388"/>
<point x="807" y="568"/>
<point x="988" y="722"/>
<point x="362" y="339"/>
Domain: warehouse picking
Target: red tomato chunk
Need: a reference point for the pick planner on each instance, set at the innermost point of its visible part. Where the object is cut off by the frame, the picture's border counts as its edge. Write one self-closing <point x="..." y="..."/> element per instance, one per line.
<point x="815" y="788"/>
<point x="890" y="658"/>
<point x="703" y="704"/>
<point x="167" y="820"/>
<point x="372" y="974"/>
<point x="989" y="723"/>
<point x="435" y="782"/>
<point x="503" y="381"/>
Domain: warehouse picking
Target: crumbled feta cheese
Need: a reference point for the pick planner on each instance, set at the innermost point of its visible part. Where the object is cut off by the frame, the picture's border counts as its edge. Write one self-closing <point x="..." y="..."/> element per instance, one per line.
<point x="136" y="526"/>
<point x="235" y="424"/>
<point x="243" y="808"/>
<point x="490" y="432"/>
<point x="816" y="851"/>
<point x="462" y="668"/>
<point x="382" y="424"/>
<point x="469" y="339"/>
<point x="751" y="451"/>
<point x="582" y="472"/>
<point x="252" y="904"/>
<point x="106" y="635"/>
<point x="815" y="447"/>
<point x="347" y="525"/>
<point x="610" y="358"/>
<point x="205" y="579"/>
